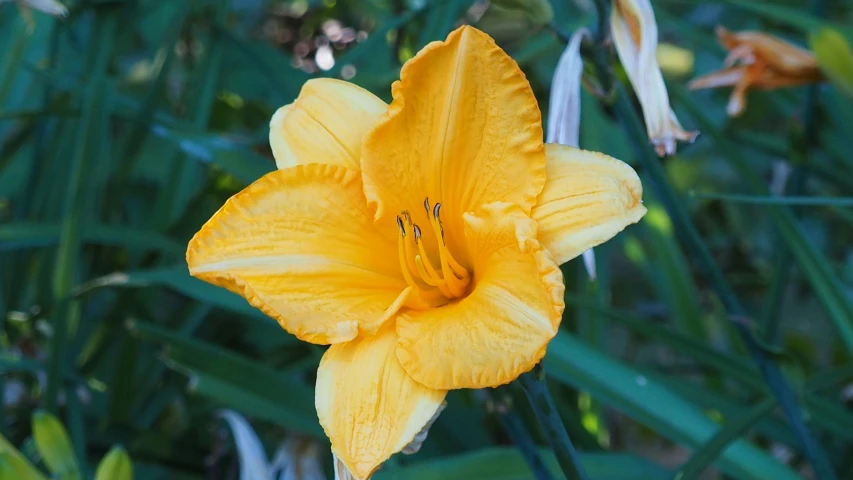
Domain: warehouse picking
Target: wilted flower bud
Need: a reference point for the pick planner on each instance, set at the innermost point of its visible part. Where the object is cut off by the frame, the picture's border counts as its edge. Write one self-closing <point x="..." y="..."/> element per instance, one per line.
<point x="635" y="35"/>
<point x="564" y="109"/>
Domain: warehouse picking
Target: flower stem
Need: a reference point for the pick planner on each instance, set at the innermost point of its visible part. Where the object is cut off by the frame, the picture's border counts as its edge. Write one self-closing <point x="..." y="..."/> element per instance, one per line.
<point x="515" y="429"/>
<point x="533" y="383"/>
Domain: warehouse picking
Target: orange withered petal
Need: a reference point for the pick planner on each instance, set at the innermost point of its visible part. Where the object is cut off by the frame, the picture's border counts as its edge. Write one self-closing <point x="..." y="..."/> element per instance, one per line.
<point x="758" y="60"/>
<point x="777" y="53"/>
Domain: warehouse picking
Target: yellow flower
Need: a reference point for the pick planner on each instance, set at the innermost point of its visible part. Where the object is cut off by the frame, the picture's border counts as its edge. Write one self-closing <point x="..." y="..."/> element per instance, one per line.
<point x="635" y="35"/>
<point x="758" y="60"/>
<point x="420" y="239"/>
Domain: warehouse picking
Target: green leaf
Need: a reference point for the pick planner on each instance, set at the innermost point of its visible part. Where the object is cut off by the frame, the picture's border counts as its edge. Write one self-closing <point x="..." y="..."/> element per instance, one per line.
<point x="31" y="235"/>
<point x="621" y="387"/>
<point x="90" y="140"/>
<point x="767" y="200"/>
<point x="115" y="465"/>
<point x="14" y="466"/>
<point x="54" y="446"/>
<point x="795" y="17"/>
<point x="238" y="382"/>
<point x="179" y="279"/>
<point x="813" y="262"/>
<point x="251" y="403"/>
<point x="712" y="449"/>
<point x="834" y="57"/>
<point x="503" y="463"/>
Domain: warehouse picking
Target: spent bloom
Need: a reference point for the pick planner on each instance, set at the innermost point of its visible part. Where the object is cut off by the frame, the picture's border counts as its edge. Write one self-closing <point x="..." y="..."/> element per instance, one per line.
<point x="421" y="239"/>
<point x="758" y="60"/>
<point x="635" y="35"/>
<point x="50" y="7"/>
<point x="564" y="109"/>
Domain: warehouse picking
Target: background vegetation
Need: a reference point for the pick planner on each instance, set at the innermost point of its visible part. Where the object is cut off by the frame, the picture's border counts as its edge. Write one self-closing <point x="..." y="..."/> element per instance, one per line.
<point x="126" y="125"/>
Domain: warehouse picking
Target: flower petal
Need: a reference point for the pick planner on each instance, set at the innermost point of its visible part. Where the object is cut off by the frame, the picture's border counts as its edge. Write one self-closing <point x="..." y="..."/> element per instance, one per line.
<point x="464" y="130"/>
<point x="779" y="54"/>
<point x="500" y="330"/>
<point x="588" y="198"/>
<point x="726" y="77"/>
<point x="300" y="245"/>
<point x="325" y="124"/>
<point x="368" y="405"/>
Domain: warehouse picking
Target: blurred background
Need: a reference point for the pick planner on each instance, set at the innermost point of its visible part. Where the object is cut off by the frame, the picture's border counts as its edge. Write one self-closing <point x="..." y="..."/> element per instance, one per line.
<point x="126" y="124"/>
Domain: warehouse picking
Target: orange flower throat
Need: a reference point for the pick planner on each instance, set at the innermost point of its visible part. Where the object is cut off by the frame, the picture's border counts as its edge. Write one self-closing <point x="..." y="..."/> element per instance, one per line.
<point x="450" y="278"/>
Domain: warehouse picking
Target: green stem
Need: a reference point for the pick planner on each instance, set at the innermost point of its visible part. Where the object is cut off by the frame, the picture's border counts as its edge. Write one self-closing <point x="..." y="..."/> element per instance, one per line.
<point x="690" y="237"/>
<point x="804" y="136"/>
<point x="724" y="437"/>
<point x="514" y="427"/>
<point x="93" y="121"/>
<point x="533" y="383"/>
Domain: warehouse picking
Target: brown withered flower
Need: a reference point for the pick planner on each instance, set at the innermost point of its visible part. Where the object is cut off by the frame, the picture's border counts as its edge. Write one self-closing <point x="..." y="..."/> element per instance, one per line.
<point x="757" y="60"/>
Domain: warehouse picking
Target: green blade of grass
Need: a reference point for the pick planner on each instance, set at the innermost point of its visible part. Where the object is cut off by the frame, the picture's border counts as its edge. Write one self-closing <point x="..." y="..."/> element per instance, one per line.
<point x="813" y="263"/>
<point x="691" y="238"/>
<point x="21" y="235"/>
<point x="767" y="200"/>
<point x="233" y="379"/>
<point x="93" y="124"/>
<point x="737" y="368"/>
<point x="502" y="463"/>
<point x="572" y="362"/>
<point x="178" y="279"/>
<point x="705" y="455"/>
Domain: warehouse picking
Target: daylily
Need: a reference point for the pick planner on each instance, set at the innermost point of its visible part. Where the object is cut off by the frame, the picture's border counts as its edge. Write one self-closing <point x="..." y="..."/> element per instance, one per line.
<point x="758" y="60"/>
<point x="635" y="34"/>
<point x="420" y="239"/>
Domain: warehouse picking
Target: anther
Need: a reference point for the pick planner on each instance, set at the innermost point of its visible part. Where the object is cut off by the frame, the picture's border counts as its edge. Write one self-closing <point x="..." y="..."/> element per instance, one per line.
<point x="449" y="277"/>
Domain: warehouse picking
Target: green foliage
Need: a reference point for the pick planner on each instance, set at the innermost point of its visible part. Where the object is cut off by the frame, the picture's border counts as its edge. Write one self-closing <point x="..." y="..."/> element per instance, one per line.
<point x="126" y="125"/>
<point x="55" y="451"/>
<point x="54" y="446"/>
<point x="835" y="57"/>
<point x="115" y="466"/>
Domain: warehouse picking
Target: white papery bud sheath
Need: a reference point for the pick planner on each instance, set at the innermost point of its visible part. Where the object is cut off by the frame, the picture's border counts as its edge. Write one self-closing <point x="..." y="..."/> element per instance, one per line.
<point x="564" y="110"/>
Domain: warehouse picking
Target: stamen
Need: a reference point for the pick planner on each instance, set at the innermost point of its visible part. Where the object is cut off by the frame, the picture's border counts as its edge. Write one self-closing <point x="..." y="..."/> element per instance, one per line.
<point x="458" y="269"/>
<point x="404" y="264"/>
<point x="427" y="278"/>
<point x="450" y="278"/>
<point x="453" y="283"/>
<point x="425" y="268"/>
<point x="407" y="244"/>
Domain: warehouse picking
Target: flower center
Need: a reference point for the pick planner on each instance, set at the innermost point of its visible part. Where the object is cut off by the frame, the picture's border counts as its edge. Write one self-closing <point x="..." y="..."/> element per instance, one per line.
<point x="449" y="276"/>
